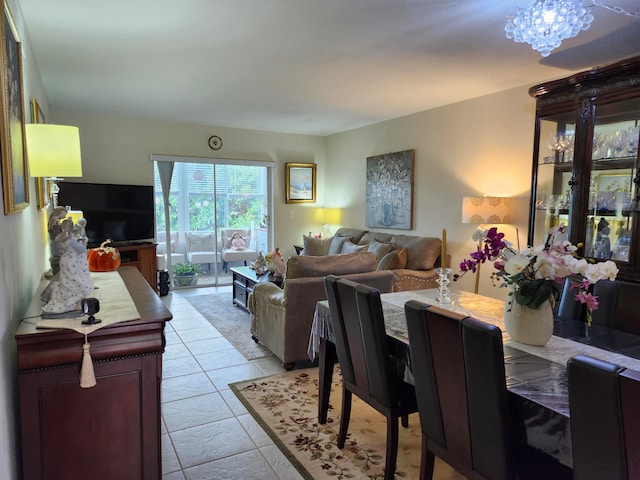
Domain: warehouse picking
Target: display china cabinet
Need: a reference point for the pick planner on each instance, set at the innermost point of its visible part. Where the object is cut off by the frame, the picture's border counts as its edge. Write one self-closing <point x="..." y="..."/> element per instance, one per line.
<point x="585" y="163"/>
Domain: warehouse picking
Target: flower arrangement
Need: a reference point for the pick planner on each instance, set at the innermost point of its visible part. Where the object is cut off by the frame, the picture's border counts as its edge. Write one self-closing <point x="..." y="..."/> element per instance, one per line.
<point x="537" y="275"/>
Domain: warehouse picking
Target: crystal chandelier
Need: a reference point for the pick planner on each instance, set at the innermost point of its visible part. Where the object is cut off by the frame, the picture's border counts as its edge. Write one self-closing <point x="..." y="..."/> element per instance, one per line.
<point x="547" y="23"/>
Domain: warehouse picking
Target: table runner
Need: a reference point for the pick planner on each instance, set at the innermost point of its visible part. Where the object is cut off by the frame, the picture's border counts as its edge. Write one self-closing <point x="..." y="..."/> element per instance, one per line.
<point x="116" y="305"/>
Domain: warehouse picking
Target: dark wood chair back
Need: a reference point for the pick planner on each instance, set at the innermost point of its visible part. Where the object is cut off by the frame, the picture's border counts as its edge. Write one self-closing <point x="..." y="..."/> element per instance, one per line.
<point x="605" y="422"/>
<point x="618" y="305"/>
<point x="458" y="367"/>
<point x="363" y="353"/>
<point x="568" y="307"/>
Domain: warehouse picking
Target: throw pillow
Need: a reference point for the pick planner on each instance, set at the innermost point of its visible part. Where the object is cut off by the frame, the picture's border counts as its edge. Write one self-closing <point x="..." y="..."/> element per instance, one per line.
<point x="422" y="252"/>
<point x="349" y="247"/>
<point x="336" y="245"/>
<point x="200" y="241"/>
<point x="379" y="248"/>
<point x="394" y="260"/>
<point x="316" y="247"/>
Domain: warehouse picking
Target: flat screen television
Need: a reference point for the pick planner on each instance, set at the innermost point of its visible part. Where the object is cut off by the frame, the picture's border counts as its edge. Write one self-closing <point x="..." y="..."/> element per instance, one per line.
<point x="122" y="213"/>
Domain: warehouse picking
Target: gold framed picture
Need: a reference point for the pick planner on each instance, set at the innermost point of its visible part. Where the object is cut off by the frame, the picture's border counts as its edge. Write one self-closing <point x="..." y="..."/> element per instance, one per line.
<point x="43" y="193"/>
<point x="12" y="136"/>
<point x="300" y="179"/>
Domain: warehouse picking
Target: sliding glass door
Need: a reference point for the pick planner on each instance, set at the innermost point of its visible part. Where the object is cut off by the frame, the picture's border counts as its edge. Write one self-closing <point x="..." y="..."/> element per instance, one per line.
<point x="207" y="204"/>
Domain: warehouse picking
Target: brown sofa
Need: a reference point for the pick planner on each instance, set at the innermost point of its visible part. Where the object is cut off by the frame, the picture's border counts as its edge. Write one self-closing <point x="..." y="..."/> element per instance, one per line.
<point x="412" y="259"/>
<point x="281" y="318"/>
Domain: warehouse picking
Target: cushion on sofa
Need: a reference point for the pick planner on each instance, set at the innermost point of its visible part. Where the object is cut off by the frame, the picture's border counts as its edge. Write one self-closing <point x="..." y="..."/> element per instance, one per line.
<point x="316" y="247"/>
<point x="350" y="247"/>
<point x="315" y="266"/>
<point x="368" y="237"/>
<point x="394" y="260"/>
<point x="380" y="249"/>
<point x="422" y="252"/>
<point x="336" y="245"/>
<point x="353" y="233"/>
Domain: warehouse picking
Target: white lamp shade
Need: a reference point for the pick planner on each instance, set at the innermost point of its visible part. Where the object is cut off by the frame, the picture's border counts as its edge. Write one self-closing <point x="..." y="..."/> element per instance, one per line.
<point x="53" y="150"/>
<point x="485" y="210"/>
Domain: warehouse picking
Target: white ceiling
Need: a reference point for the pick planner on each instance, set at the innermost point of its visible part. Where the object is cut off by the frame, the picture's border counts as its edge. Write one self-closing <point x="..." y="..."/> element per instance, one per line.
<point x="299" y="66"/>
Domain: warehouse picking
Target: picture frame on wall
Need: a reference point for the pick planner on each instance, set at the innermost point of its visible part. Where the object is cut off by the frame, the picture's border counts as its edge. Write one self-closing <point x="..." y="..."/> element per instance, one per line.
<point x="12" y="132"/>
<point x="43" y="193"/>
<point x="389" y="192"/>
<point x="300" y="181"/>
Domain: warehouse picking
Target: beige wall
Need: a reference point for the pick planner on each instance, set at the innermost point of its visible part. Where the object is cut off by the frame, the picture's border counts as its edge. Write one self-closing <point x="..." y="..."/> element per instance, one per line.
<point x="22" y="261"/>
<point x="477" y="147"/>
<point x="117" y="149"/>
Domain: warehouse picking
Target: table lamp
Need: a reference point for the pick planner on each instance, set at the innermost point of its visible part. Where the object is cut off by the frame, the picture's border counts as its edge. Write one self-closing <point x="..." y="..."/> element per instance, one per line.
<point x="53" y="152"/>
<point x="483" y="211"/>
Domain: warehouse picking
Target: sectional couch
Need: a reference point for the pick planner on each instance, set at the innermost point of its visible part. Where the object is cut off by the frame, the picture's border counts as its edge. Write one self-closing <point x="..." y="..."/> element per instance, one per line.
<point x="412" y="259"/>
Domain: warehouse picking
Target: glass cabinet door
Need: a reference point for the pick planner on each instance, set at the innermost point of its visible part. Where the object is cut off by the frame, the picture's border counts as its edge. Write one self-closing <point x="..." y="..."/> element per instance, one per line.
<point x="613" y="194"/>
<point x="554" y="165"/>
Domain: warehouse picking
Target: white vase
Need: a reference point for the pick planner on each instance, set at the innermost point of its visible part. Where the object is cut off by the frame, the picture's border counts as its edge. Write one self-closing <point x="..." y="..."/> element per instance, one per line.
<point x="528" y="325"/>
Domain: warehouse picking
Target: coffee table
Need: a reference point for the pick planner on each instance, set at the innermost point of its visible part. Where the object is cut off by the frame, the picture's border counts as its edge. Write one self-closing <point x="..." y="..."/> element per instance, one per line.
<point x="244" y="279"/>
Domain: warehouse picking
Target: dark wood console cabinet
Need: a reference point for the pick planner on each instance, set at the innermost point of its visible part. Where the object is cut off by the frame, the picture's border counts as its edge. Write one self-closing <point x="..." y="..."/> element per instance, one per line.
<point x="105" y="432"/>
<point x="143" y="257"/>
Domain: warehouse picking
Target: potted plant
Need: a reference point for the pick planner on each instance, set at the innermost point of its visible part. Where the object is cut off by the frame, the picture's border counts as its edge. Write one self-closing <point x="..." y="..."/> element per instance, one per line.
<point x="185" y="274"/>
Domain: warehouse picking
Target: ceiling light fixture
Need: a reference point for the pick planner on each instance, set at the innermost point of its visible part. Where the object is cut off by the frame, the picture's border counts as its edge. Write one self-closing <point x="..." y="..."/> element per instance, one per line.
<point x="545" y="24"/>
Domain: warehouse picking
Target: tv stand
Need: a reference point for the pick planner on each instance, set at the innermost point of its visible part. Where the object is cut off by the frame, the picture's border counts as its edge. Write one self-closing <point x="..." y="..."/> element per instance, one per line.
<point x="141" y="255"/>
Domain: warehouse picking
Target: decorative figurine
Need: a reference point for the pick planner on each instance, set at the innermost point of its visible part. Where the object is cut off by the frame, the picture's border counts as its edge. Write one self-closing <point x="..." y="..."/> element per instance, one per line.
<point x="260" y="265"/>
<point x="237" y="242"/>
<point x="73" y="281"/>
<point x="602" y="246"/>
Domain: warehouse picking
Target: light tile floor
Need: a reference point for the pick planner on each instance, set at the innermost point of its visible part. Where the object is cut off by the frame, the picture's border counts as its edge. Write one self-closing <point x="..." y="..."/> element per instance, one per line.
<point x="207" y="434"/>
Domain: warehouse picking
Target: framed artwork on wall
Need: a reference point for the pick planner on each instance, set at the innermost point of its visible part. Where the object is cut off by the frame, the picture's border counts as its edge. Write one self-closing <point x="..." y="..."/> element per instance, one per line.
<point x="300" y="180"/>
<point x="389" y="202"/>
<point x="42" y="184"/>
<point x="12" y="136"/>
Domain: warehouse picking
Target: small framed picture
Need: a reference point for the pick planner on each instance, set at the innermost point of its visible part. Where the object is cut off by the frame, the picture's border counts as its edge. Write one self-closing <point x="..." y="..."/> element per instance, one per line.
<point x="300" y="182"/>
<point x="43" y="185"/>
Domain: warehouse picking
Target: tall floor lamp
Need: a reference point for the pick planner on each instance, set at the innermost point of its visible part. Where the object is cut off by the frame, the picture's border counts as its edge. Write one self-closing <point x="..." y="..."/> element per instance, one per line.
<point x="483" y="211"/>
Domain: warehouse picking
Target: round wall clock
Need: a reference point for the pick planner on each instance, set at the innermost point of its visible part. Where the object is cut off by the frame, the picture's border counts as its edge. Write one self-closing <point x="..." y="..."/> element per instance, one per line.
<point x="215" y="142"/>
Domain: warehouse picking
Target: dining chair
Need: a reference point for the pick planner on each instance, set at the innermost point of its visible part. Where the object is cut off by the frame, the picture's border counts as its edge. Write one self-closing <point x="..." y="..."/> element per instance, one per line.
<point x="605" y="422"/>
<point x="367" y="368"/>
<point x="617" y="308"/>
<point x="459" y="374"/>
<point x="568" y="307"/>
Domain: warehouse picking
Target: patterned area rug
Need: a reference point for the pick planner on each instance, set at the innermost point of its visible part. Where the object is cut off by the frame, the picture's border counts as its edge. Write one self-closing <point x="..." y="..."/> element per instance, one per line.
<point x="286" y="405"/>
<point x="231" y="321"/>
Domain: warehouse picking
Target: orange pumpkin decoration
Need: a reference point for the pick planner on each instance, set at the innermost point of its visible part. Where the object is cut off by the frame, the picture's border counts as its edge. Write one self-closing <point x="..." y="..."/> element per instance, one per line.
<point x="103" y="258"/>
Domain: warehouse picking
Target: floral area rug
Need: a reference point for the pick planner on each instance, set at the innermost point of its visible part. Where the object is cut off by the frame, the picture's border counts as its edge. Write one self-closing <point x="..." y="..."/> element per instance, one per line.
<point x="286" y="406"/>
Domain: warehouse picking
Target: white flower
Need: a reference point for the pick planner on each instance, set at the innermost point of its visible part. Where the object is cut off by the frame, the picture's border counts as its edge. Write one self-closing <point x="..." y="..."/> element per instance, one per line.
<point x="478" y="234"/>
<point x="597" y="271"/>
<point x="516" y="264"/>
<point x="608" y="270"/>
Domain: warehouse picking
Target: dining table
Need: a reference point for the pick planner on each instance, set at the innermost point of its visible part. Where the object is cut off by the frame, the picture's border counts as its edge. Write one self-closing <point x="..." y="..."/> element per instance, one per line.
<point x="536" y="377"/>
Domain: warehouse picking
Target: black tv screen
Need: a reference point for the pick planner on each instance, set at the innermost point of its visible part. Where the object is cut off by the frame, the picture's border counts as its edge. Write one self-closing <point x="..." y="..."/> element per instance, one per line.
<point x="122" y="213"/>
